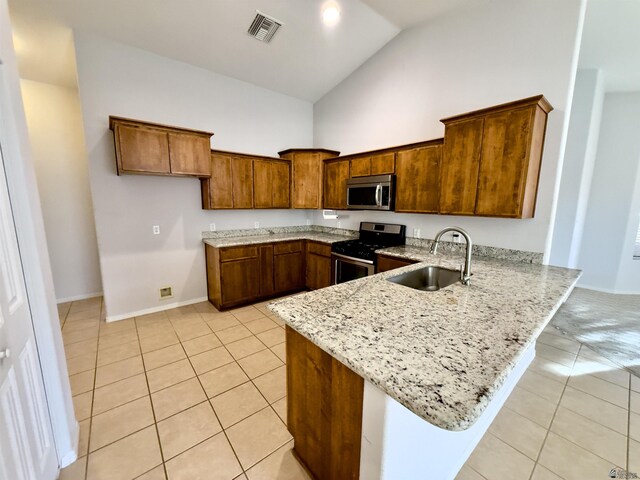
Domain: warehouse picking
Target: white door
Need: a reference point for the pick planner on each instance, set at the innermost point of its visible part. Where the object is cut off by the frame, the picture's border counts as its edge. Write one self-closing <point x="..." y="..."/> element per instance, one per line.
<point x="26" y="442"/>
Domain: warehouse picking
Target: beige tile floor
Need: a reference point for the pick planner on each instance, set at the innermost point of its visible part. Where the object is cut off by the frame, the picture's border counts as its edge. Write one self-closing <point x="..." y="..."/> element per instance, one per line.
<point x="193" y="393"/>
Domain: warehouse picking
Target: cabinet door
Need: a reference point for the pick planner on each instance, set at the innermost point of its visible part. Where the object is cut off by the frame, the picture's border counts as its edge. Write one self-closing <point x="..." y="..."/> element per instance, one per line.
<point x="460" y="164"/>
<point x="142" y="150"/>
<point x="504" y="162"/>
<point x="307" y="180"/>
<point x="242" y="182"/>
<point x="361" y="167"/>
<point x="288" y="272"/>
<point x="383" y="164"/>
<point x="385" y="263"/>
<point x="418" y="180"/>
<point x="266" y="270"/>
<point x="190" y="154"/>
<point x="240" y="280"/>
<point x="318" y="271"/>
<point x="219" y="186"/>
<point x="280" y="184"/>
<point x="262" y="184"/>
<point x="271" y="184"/>
<point x="335" y="184"/>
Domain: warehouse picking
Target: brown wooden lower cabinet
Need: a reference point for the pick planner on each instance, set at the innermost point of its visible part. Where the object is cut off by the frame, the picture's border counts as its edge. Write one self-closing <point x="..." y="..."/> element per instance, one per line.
<point x="324" y="410"/>
<point x="385" y="263"/>
<point x="318" y="265"/>
<point x="246" y="274"/>
<point x="288" y="272"/>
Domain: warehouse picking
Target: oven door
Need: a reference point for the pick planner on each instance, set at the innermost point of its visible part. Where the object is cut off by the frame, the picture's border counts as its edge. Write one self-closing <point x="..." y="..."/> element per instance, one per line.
<point x="344" y="268"/>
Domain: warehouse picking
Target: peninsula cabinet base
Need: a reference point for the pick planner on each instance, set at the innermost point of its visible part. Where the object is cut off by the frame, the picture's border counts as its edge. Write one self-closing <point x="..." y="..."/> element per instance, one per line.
<point x="346" y="428"/>
<point x="324" y="410"/>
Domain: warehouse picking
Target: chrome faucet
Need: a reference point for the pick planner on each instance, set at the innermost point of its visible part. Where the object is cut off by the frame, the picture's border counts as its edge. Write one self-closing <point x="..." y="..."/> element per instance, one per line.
<point x="465" y="273"/>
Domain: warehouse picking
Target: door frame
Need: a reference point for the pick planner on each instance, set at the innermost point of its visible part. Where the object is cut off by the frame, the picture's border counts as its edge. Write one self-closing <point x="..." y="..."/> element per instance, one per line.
<point x="25" y="201"/>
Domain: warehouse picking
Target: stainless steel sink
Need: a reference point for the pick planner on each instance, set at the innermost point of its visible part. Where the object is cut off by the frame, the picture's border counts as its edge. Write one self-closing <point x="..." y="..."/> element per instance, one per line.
<point x="428" y="279"/>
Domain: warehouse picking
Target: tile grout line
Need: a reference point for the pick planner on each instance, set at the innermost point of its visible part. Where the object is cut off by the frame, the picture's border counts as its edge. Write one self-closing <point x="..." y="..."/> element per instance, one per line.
<point x="153" y="410"/>
<point x="86" y="468"/>
<point x="553" y="417"/>
<point x="210" y="405"/>
<point x="269" y="405"/>
<point x="627" y="466"/>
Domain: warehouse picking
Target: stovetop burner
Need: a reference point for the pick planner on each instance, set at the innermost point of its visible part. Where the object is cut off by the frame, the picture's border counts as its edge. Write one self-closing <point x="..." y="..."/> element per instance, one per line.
<point x="373" y="236"/>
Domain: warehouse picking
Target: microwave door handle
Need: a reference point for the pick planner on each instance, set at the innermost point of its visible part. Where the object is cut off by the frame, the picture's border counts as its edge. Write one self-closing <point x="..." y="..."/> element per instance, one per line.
<point x="379" y="195"/>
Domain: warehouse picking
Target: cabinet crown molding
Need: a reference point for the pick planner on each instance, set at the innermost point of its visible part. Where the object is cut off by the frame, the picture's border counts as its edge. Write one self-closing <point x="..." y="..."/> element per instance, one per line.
<point x="540" y="100"/>
<point x="114" y="120"/>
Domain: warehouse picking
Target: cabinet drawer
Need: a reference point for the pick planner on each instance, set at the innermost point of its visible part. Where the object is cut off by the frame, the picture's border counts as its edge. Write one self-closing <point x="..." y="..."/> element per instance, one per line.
<point x="319" y="248"/>
<point x="234" y="253"/>
<point x="287" y="247"/>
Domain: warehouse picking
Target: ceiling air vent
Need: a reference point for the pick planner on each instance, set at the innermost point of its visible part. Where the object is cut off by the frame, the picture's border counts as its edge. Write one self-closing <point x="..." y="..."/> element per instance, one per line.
<point x="264" y="27"/>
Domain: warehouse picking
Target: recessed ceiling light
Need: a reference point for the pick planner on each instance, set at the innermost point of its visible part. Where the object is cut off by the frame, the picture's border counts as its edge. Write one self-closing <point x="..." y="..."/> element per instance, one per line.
<point x="330" y="14"/>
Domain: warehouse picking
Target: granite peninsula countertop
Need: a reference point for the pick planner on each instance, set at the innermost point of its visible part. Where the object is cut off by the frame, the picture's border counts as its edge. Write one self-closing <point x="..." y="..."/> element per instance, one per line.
<point x="442" y="354"/>
<point x="328" y="238"/>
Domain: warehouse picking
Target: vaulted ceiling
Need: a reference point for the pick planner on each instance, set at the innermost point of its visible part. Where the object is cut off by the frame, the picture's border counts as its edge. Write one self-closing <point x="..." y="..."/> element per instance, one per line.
<point x="305" y="59"/>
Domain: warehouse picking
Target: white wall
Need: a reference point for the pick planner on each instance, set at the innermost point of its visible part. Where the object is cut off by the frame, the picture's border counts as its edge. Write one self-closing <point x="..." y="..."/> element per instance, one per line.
<point x="606" y="255"/>
<point x="57" y="142"/>
<point x="25" y="201"/>
<point x="577" y="169"/>
<point x="497" y="52"/>
<point x="118" y="80"/>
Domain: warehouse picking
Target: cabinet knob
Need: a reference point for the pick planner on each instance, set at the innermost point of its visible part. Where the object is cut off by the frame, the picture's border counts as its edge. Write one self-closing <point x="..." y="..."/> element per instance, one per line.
<point x="6" y="353"/>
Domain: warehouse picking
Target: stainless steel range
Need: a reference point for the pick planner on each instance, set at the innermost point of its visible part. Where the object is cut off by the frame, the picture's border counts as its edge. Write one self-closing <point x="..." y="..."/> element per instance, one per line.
<point x="353" y="259"/>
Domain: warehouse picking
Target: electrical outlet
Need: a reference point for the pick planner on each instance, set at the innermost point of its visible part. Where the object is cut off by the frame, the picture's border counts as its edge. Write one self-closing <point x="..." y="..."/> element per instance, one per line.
<point x="308" y="221"/>
<point x="455" y="237"/>
<point x="212" y="227"/>
<point x="156" y="229"/>
<point x="416" y="233"/>
<point x="339" y="224"/>
<point x="166" y="292"/>
<point x="256" y="224"/>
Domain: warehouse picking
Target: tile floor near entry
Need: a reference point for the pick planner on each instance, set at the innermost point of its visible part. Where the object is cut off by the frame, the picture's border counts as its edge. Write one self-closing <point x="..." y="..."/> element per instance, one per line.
<point x="190" y="393"/>
<point x="193" y="393"/>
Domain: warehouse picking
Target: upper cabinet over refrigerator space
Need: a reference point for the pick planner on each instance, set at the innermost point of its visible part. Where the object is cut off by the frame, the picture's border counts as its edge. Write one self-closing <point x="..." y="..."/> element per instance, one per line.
<point x="491" y="160"/>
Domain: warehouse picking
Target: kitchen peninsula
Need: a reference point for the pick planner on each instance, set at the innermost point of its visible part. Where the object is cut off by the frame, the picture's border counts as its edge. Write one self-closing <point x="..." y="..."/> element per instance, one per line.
<point x="425" y="372"/>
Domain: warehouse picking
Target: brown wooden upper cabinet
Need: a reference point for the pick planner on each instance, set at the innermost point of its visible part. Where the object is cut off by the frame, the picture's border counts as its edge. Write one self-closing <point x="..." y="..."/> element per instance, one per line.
<point x="271" y="183"/>
<point x="241" y="181"/>
<point x="491" y="160"/>
<point x="336" y="174"/>
<point x="306" y="175"/>
<point x="231" y="182"/>
<point x="154" y="149"/>
<point x="380" y="164"/>
<point x="418" y="179"/>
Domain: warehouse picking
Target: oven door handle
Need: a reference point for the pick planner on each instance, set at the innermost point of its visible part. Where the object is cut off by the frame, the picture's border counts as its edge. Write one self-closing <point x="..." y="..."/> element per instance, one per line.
<point x="379" y="195"/>
<point x="353" y="259"/>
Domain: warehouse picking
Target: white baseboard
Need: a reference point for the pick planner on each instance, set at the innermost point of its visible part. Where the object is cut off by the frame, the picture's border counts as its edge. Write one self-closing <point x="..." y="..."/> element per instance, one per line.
<point x="146" y="311"/>
<point x="608" y="290"/>
<point x="79" y="297"/>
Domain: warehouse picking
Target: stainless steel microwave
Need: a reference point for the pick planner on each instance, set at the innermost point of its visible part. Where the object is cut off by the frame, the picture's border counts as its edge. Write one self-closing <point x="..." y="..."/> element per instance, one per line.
<point x="371" y="193"/>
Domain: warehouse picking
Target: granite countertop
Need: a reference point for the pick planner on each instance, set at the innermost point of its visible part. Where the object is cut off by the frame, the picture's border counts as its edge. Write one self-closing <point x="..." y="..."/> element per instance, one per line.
<point x="442" y="354"/>
<point x="328" y="238"/>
